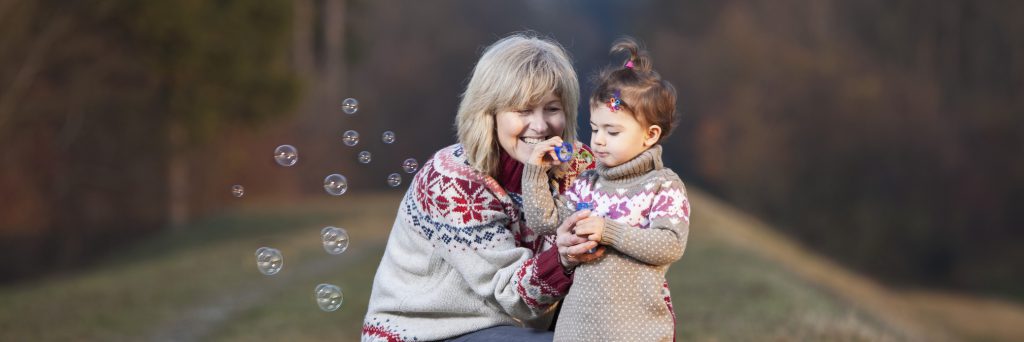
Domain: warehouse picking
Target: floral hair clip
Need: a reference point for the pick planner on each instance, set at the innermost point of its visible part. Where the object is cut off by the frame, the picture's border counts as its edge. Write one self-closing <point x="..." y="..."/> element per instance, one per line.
<point x="615" y="102"/>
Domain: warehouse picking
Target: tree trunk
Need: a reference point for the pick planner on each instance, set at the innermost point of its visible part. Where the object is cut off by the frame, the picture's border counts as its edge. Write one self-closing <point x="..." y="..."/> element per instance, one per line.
<point x="177" y="178"/>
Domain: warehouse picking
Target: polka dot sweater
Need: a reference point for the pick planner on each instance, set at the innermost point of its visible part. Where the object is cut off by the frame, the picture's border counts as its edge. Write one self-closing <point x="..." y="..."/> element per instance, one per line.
<point x="622" y="296"/>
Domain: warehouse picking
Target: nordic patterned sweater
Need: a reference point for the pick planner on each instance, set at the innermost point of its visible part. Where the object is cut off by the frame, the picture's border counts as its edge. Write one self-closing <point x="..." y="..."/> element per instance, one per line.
<point x="622" y="296"/>
<point x="460" y="259"/>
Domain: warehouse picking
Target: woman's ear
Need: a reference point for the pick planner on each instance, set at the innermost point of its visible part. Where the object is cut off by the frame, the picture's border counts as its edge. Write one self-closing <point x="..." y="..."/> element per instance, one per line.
<point x="652" y="135"/>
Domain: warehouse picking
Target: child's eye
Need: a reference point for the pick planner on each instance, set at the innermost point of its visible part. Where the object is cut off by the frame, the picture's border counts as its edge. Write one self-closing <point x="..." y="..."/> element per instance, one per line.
<point x="593" y="130"/>
<point x="613" y="133"/>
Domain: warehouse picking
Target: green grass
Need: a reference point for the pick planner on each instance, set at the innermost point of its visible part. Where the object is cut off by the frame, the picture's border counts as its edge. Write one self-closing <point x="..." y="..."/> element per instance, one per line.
<point x="728" y="294"/>
<point x="203" y="284"/>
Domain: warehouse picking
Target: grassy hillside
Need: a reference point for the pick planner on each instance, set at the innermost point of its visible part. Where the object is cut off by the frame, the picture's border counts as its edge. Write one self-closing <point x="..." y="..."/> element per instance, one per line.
<point x="737" y="281"/>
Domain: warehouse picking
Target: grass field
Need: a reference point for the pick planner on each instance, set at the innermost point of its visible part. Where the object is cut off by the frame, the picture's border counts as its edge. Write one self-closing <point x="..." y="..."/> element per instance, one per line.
<point x="737" y="281"/>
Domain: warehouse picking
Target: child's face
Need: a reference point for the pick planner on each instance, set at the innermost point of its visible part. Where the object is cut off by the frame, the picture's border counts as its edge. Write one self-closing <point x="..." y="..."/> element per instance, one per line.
<point x="519" y="129"/>
<point x="617" y="137"/>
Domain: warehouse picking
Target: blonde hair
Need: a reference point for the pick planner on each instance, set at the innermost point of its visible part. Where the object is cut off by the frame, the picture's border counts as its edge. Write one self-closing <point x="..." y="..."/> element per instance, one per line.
<point x="642" y="91"/>
<point x="515" y="72"/>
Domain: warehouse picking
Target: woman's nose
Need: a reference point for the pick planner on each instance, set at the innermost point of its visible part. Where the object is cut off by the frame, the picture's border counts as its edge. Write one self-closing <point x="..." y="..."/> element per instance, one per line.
<point x="537" y="122"/>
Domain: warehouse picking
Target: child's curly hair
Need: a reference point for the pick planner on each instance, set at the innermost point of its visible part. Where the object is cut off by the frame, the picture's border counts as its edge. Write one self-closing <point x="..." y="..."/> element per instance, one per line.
<point x="642" y="92"/>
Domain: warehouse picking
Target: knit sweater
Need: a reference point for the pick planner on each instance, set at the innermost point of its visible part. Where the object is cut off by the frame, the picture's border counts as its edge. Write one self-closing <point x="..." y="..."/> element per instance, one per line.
<point x="622" y="296"/>
<point x="460" y="258"/>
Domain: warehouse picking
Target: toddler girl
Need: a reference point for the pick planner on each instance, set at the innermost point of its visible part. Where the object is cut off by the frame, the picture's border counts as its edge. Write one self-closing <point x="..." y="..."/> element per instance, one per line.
<point x="638" y="208"/>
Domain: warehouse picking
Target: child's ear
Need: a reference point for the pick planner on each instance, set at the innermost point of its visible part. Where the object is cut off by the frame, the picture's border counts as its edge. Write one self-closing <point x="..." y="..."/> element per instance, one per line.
<point x="652" y="135"/>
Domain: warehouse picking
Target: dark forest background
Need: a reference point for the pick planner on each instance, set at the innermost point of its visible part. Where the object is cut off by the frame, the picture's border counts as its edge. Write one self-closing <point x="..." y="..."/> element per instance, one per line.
<point x="887" y="135"/>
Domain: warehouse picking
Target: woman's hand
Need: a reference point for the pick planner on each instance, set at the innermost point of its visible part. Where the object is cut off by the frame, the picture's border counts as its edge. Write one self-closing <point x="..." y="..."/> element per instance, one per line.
<point x="545" y="148"/>
<point x="572" y="249"/>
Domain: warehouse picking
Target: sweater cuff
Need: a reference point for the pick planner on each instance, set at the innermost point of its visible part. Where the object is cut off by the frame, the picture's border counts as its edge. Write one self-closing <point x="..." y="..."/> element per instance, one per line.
<point x="551" y="271"/>
<point x="614" y="233"/>
<point x="534" y="172"/>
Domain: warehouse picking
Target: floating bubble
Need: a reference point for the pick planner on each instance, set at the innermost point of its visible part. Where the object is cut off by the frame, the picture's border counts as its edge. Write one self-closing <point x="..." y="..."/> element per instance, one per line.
<point x="410" y="165"/>
<point x="268" y="260"/>
<point x="237" y="190"/>
<point x="350" y="138"/>
<point x="388" y="137"/>
<point x="564" y="151"/>
<point x="364" y="157"/>
<point x="350" y="106"/>
<point x="328" y="297"/>
<point x="286" y="155"/>
<point x="335" y="239"/>
<point x="335" y="184"/>
<point x="394" y="179"/>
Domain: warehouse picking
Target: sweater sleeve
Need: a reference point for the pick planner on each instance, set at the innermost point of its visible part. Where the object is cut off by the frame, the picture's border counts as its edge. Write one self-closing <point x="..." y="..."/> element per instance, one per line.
<point x="470" y="231"/>
<point x="543" y="211"/>
<point x="664" y="241"/>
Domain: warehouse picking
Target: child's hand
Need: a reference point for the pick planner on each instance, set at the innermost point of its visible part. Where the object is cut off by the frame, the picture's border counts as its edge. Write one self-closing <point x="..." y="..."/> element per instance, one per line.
<point x="543" y="149"/>
<point x="591" y="227"/>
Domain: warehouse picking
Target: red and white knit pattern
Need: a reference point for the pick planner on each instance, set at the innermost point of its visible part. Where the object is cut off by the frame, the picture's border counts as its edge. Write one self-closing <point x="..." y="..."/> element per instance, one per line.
<point x="459" y="260"/>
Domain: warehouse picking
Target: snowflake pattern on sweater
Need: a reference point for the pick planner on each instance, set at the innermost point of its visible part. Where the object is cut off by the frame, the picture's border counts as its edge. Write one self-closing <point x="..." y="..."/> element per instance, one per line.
<point x="459" y="259"/>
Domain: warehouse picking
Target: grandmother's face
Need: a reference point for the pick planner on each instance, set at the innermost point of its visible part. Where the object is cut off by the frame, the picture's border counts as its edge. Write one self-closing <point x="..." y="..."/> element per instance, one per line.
<point x="519" y="129"/>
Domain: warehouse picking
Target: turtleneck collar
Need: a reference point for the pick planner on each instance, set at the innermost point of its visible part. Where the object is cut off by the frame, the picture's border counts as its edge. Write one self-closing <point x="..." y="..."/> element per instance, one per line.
<point x="510" y="172"/>
<point x="643" y="163"/>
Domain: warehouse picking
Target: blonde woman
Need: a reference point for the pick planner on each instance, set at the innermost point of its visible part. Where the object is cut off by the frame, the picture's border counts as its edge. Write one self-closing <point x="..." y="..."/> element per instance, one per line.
<point x="461" y="263"/>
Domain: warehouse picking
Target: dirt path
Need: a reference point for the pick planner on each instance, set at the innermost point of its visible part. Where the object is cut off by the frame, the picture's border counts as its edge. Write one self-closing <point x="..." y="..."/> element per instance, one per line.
<point x="203" y="318"/>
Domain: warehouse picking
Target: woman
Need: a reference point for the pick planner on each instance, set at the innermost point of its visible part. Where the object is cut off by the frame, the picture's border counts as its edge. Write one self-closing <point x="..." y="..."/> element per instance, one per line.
<point x="460" y="262"/>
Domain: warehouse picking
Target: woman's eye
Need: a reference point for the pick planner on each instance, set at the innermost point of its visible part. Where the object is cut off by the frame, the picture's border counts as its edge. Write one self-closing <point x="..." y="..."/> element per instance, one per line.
<point x="613" y="133"/>
<point x="593" y="131"/>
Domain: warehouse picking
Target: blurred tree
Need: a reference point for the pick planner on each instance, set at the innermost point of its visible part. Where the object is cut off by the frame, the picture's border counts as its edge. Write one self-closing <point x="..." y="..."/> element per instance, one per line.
<point x="100" y="103"/>
<point x="884" y="133"/>
<point x="216" y="63"/>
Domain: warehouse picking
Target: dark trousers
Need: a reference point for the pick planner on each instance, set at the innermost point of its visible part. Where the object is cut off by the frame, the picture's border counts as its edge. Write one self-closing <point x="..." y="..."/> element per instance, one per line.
<point x="506" y="333"/>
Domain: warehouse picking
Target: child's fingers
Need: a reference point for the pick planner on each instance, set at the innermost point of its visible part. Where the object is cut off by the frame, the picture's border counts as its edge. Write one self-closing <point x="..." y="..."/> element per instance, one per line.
<point x="584" y="229"/>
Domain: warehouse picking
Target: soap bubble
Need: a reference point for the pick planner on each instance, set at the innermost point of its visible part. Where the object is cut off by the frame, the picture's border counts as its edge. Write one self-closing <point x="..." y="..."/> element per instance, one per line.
<point x="237" y="190"/>
<point x="564" y="151"/>
<point x="268" y="260"/>
<point x="410" y="165"/>
<point x="335" y="184"/>
<point x="388" y="137"/>
<point x="328" y="297"/>
<point x="350" y="138"/>
<point x="335" y="239"/>
<point x="286" y="155"/>
<point x="364" y="157"/>
<point x="394" y="179"/>
<point x="350" y="106"/>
